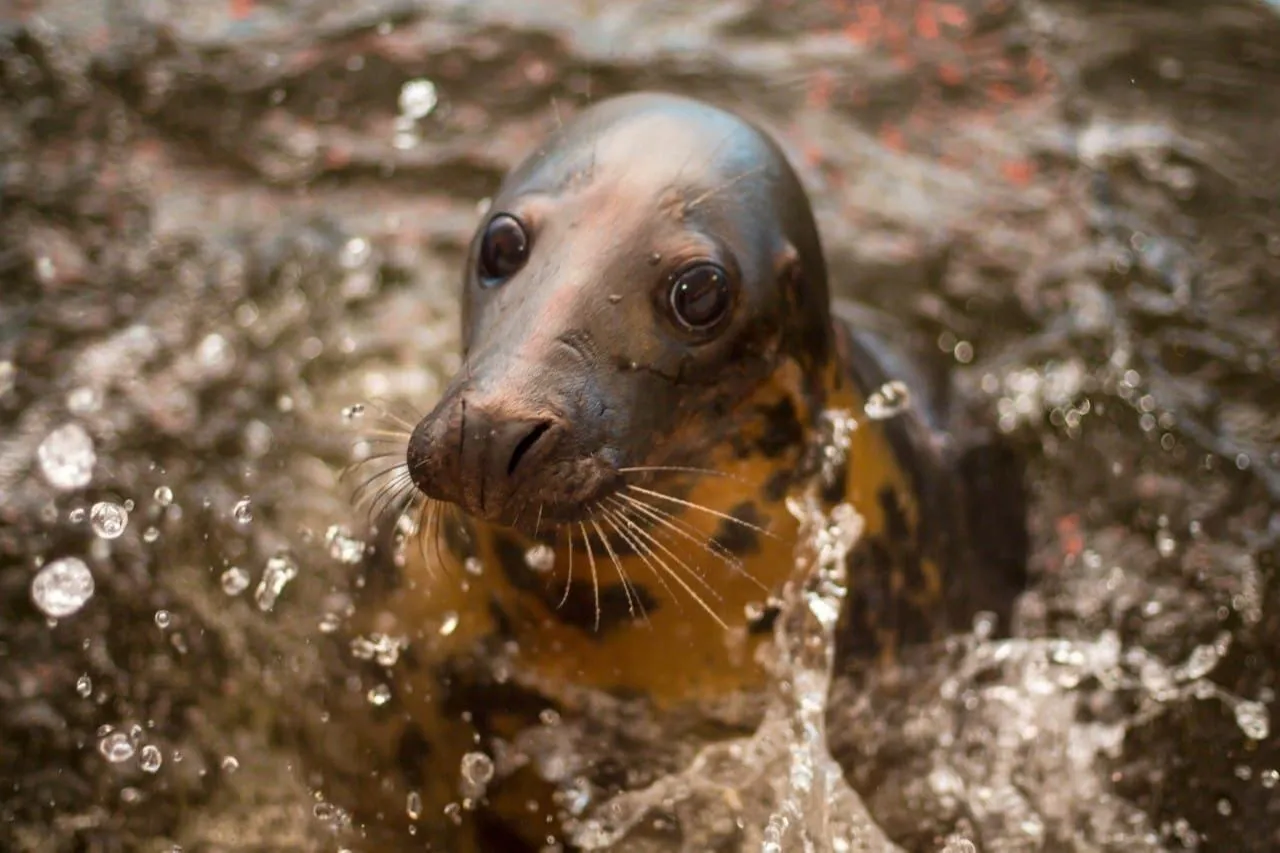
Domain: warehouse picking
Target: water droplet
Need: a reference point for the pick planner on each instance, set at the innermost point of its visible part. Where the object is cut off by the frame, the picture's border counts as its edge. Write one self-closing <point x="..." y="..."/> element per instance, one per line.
<point x="418" y="98"/>
<point x="62" y="587"/>
<point x="477" y="771"/>
<point x="235" y="581"/>
<point x="242" y="512"/>
<point x="230" y="764"/>
<point x="67" y="457"/>
<point x="163" y="619"/>
<point x="540" y="558"/>
<point x="164" y="496"/>
<point x="216" y="354"/>
<point x="279" y="571"/>
<point x="116" y="747"/>
<point x="413" y="805"/>
<point x="385" y="649"/>
<point x="1253" y="720"/>
<point x="888" y="400"/>
<point x="344" y="547"/>
<point x="150" y="759"/>
<point x="379" y="695"/>
<point x="108" y="519"/>
<point x="8" y="376"/>
<point x="473" y="566"/>
<point x="354" y="254"/>
<point x="84" y="686"/>
<point x="448" y="624"/>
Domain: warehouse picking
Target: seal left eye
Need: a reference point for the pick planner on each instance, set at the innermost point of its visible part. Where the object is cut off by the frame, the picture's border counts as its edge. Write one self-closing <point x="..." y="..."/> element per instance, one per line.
<point x="504" y="249"/>
<point x="700" y="297"/>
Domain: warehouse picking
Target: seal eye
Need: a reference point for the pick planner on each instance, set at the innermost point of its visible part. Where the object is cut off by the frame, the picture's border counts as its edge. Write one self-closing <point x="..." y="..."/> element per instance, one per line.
<point x="503" y="249"/>
<point x="700" y="297"/>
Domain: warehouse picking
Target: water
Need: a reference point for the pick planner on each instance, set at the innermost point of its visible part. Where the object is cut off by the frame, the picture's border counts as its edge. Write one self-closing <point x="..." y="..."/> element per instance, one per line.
<point x="228" y="229"/>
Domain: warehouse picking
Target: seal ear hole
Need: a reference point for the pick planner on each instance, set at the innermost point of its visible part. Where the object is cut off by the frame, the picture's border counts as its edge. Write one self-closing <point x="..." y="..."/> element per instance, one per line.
<point x="700" y="297"/>
<point x="504" y="249"/>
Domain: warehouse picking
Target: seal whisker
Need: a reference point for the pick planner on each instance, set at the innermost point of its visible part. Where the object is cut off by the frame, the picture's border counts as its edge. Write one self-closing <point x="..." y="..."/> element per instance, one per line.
<point x="359" y="492"/>
<point x="622" y="576"/>
<point x="674" y="576"/>
<point x="678" y="469"/>
<point x="388" y="495"/>
<point x="691" y="505"/>
<point x="568" y="582"/>
<point x="595" y="578"/>
<point x="642" y="553"/>
<point x="690" y="205"/>
<point x="694" y="571"/>
<point x="678" y="526"/>
<point x="354" y="467"/>
<point x="537" y="525"/>
<point x="385" y="409"/>
<point x="443" y="515"/>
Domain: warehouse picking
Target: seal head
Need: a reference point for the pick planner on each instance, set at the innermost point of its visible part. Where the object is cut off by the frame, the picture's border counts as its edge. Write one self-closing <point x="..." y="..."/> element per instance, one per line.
<point x="633" y="281"/>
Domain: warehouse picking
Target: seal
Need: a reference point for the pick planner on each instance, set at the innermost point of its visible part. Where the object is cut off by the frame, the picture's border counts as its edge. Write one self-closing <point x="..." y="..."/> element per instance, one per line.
<point x="649" y="347"/>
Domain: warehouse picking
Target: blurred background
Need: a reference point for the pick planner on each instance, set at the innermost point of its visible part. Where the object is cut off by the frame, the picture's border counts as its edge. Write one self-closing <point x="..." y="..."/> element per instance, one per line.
<point x="222" y="222"/>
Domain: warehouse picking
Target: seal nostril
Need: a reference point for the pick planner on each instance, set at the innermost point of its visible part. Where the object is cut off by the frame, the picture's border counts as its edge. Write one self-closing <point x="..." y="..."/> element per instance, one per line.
<point x="526" y="444"/>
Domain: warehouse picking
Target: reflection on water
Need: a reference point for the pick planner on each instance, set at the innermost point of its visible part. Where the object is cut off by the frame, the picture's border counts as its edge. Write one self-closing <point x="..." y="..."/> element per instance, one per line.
<point x="226" y="223"/>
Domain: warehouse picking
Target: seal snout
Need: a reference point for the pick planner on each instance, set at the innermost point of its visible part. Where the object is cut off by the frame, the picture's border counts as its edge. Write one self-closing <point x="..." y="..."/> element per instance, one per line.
<point x="496" y="458"/>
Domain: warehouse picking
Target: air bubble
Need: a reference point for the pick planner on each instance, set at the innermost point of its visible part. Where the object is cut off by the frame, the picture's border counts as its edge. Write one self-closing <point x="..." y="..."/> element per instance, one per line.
<point x="242" y="512"/>
<point x="449" y="624"/>
<point x="235" y="581"/>
<point x="1253" y="720"/>
<point x="164" y="495"/>
<point x="540" y="558"/>
<point x="84" y="686"/>
<point x="163" y="619"/>
<point x="343" y="547"/>
<point x="890" y="399"/>
<point x="108" y="519"/>
<point x="477" y="771"/>
<point x="150" y="759"/>
<point x="279" y="571"/>
<point x="116" y="747"/>
<point x="67" y="457"/>
<point x="62" y="587"/>
<point x="418" y="98"/>
<point x="379" y="695"/>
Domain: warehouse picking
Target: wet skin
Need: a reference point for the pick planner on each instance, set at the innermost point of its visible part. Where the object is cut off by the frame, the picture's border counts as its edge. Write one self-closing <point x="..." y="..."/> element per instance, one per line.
<point x="649" y="344"/>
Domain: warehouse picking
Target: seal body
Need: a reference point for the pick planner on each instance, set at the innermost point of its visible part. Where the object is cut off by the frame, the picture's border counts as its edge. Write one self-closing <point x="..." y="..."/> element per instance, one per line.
<point x="649" y="345"/>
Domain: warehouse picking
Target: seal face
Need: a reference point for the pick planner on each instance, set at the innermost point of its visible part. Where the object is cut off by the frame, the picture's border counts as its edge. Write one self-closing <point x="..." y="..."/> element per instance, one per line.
<point x="649" y="348"/>
<point x="614" y="297"/>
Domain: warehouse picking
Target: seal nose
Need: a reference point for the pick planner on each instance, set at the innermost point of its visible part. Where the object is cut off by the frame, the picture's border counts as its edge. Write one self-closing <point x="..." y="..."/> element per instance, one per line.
<point x="512" y="441"/>
<point x="474" y="453"/>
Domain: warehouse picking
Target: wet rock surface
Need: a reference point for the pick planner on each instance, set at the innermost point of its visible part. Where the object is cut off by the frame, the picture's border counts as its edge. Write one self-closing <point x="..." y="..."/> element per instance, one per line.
<point x="223" y="223"/>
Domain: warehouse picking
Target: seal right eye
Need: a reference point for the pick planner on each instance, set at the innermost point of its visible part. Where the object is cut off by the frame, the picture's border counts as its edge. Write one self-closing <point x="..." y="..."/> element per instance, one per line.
<point x="504" y="249"/>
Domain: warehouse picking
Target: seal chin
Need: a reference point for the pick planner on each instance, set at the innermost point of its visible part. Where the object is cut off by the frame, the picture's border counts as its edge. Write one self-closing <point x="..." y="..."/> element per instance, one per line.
<point x="506" y="466"/>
